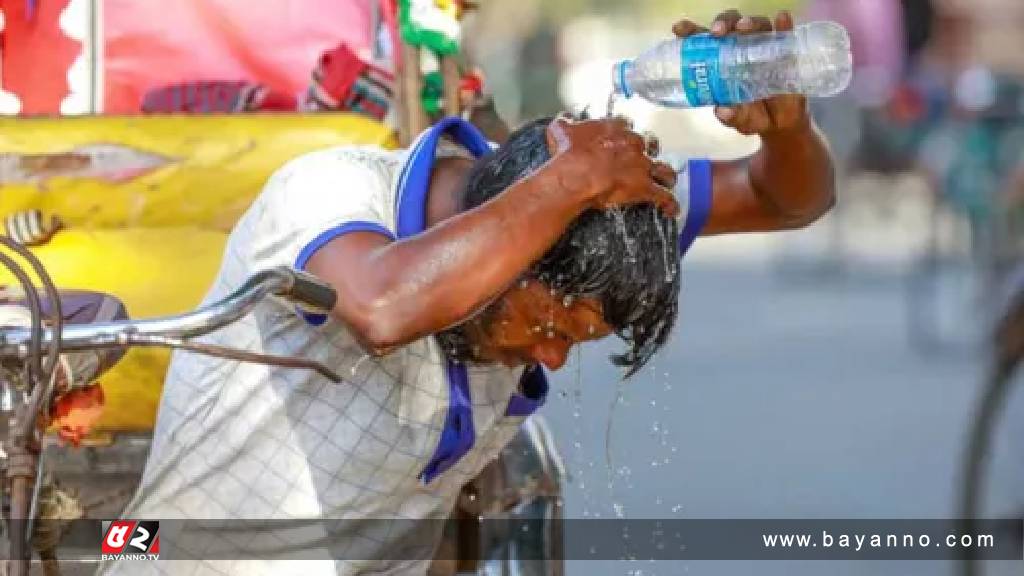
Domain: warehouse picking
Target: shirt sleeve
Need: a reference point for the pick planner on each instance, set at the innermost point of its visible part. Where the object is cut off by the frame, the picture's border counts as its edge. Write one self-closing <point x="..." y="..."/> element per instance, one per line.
<point x="311" y="201"/>
<point x="694" y="192"/>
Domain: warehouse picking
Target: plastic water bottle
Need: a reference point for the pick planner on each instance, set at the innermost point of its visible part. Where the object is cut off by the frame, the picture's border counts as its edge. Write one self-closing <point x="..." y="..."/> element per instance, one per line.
<point x="703" y="70"/>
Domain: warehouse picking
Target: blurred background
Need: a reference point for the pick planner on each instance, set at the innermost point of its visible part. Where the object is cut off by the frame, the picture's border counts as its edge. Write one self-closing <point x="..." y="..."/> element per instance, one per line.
<point x="830" y="372"/>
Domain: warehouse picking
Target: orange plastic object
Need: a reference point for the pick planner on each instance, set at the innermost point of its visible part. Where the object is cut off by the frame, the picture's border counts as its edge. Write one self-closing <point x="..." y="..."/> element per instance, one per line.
<point x="76" y="413"/>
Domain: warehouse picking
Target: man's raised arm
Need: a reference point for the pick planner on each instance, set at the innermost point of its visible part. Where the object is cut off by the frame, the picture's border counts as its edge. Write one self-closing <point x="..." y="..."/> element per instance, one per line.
<point x="393" y="293"/>
<point x="790" y="181"/>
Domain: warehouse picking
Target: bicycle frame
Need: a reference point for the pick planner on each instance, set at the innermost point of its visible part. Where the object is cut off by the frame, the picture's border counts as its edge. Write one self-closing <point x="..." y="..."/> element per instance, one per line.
<point x="25" y="346"/>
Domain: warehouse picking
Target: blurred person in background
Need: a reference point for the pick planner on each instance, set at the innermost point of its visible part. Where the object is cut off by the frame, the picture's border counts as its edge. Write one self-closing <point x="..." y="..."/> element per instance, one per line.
<point x="877" y="37"/>
<point x="965" y="117"/>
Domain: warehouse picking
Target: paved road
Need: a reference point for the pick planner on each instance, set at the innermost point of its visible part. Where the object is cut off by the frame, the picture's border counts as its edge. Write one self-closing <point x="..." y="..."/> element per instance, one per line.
<point x="781" y="399"/>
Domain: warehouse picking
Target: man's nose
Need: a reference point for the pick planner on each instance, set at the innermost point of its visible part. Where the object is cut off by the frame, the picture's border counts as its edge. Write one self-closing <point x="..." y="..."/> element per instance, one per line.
<point x="551" y="354"/>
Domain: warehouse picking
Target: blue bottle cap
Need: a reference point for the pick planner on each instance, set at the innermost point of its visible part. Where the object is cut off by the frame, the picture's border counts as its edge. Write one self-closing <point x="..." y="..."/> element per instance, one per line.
<point x="619" y="78"/>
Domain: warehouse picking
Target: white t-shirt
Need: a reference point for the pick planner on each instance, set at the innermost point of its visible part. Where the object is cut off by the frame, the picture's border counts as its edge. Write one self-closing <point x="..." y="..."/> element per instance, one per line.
<point x="239" y="441"/>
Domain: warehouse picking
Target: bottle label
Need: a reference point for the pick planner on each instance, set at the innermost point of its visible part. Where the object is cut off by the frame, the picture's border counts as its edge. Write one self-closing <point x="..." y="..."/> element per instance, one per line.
<point x="702" y="78"/>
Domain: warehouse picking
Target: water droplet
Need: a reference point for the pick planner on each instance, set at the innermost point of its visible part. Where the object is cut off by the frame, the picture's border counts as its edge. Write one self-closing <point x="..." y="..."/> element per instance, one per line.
<point x="472" y="497"/>
<point x="567" y="301"/>
<point x="550" y="334"/>
<point x="355" y="367"/>
<point x="610" y="106"/>
<point x="677" y="508"/>
<point x="618" y="509"/>
<point x="591" y="330"/>
<point x="536" y="328"/>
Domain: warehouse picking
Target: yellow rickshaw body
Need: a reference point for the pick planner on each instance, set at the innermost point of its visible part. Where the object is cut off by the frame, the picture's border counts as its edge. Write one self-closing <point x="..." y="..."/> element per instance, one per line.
<point x="151" y="237"/>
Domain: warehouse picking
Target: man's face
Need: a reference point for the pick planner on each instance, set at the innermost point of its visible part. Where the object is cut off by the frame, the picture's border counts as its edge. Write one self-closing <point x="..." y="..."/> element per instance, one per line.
<point x="530" y="325"/>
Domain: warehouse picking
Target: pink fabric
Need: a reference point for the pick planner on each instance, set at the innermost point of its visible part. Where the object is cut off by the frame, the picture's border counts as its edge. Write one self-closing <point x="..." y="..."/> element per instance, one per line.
<point x="876" y="31"/>
<point x="272" y="42"/>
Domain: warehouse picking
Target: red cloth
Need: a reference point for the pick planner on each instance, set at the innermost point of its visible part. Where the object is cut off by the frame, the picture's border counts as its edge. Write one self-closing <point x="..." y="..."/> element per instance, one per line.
<point x="344" y="81"/>
<point x="338" y="70"/>
<point x="36" y="54"/>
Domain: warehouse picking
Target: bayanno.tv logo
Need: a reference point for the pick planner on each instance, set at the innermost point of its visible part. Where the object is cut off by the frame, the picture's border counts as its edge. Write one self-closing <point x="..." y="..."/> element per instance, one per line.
<point x="130" y="540"/>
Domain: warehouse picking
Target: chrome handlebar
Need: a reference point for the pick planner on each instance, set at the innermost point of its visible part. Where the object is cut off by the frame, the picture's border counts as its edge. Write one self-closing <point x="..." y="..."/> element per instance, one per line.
<point x="286" y="282"/>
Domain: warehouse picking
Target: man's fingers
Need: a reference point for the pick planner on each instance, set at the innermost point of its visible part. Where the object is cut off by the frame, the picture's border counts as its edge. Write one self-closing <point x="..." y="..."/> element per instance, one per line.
<point x="725" y="22"/>
<point x="757" y="119"/>
<point x="787" y="111"/>
<point x="784" y="21"/>
<point x="754" y="24"/>
<point x="619" y="123"/>
<point x="663" y="174"/>
<point x="687" y="27"/>
<point x="732" y="116"/>
<point x="652" y="144"/>
<point x="725" y="114"/>
<point x="664" y="199"/>
<point x="635" y="143"/>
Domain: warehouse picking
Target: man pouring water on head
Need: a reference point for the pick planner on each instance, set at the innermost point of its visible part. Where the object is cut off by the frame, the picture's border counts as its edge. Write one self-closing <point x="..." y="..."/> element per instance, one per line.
<point x="462" y="273"/>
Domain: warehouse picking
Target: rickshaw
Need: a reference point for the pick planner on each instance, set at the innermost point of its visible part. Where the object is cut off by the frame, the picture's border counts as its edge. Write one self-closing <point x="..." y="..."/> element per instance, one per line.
<point x="129" y="212"/>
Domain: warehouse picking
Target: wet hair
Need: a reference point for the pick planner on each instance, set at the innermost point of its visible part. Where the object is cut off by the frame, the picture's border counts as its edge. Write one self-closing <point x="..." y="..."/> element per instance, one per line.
<point x="627" y="259"/>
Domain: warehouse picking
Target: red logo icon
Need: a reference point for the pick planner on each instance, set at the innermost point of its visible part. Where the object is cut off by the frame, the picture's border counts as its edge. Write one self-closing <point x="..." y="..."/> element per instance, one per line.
<point x="131" y="539"/>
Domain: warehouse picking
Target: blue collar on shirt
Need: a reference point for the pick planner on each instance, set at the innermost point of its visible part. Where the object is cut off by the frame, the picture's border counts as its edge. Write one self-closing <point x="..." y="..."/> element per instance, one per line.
<point x="414" y="182"/>
<point x="458" y="434"/>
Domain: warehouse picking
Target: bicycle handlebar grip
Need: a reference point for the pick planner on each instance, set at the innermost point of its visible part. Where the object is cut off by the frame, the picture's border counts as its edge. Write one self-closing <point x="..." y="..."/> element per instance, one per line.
<point x="313" y="292"/>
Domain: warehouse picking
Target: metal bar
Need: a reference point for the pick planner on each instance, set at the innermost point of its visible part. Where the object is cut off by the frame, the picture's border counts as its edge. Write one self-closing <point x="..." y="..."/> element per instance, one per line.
<point x="33" y="503"/>
<point x="20" y="553"/>
<point x="412" y="78"/>
<point x="401" y="107"/>
<point x="13" y="342"/>
<point x="233" y="354"/>
<point x="94" y="40"/>
<point x="452" y="79"/>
